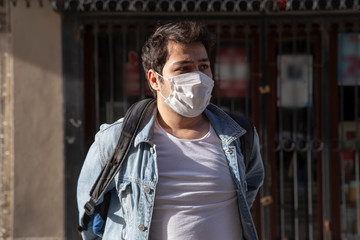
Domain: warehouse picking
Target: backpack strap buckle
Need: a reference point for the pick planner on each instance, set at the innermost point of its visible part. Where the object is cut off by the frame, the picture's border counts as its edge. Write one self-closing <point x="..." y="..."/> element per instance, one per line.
<point x="89" y="207"/>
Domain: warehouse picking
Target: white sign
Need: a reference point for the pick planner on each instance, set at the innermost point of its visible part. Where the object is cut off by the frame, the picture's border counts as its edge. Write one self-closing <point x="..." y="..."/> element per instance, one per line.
<point x="294" y="83"/>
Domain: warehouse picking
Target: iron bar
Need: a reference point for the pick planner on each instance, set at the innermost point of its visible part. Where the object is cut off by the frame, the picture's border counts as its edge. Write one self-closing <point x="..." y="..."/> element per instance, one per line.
<point x="96" y="76"/>
<point x="112" y="74"/>
<point x="342" y="147"/>
<point x="264" y="115"/>
<point x="295" y="157"/>
<point x="217" y="64"/>
<point x="123" y="82"/>
<point x="280" y="134"/>
<point x="308" y="136"/>
<point x="138" y="52"/>
<point x="142" y="81"/>
<point x="326" y="156"/>
<point x="232" y="66"/>
<point x="248" y="84"/>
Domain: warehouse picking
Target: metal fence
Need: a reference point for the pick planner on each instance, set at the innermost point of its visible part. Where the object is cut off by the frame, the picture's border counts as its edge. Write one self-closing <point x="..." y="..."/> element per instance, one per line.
<point x="202" y="5"/>
<point x="296" y="76"/>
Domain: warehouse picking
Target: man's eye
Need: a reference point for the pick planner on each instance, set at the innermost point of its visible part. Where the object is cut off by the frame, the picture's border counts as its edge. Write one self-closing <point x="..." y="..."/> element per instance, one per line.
<point x="204" y="67"/>
<point x="182" y="69"/>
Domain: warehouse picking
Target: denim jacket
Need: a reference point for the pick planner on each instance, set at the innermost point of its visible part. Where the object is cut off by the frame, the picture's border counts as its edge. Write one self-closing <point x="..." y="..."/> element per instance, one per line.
<point x="134" y="187"/>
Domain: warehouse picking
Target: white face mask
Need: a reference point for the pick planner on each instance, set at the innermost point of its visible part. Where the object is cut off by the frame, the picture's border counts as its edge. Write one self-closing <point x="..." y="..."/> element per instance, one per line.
<point x="190" y="93"/>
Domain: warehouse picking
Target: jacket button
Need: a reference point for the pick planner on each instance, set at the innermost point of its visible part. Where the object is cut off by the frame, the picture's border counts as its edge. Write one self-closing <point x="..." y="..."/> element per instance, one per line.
<point x="229" y="151"/>
<point x="147" y="190"/>
<point x="141" y="227"/>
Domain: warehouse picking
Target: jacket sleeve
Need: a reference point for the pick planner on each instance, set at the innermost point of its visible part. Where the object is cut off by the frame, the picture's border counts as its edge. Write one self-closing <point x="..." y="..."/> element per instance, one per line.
<point x="91" y="169"/>
<point x="254" y="172"/>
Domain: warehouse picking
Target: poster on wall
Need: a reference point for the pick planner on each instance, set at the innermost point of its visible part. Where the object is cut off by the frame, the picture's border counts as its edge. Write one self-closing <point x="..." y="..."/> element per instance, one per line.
<point x="232" y="71"/>
<point x="132" y="72"/>
<point x="349" y="59"/>
<point x="132" y="76"/>
<point x="294" y="82"/>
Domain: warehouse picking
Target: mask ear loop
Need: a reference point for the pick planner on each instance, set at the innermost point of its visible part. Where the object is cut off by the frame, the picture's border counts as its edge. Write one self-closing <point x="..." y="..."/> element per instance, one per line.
<point x="160" y="91"/>
<point x="162" y="96"/>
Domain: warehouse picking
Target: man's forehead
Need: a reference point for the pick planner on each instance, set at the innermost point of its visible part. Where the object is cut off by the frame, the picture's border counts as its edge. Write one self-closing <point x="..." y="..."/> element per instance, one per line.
<point x="191" y="49"/>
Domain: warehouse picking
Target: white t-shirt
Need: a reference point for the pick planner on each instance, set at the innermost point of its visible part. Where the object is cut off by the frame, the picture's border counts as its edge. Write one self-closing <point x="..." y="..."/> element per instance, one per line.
<point x="195" y="196"/>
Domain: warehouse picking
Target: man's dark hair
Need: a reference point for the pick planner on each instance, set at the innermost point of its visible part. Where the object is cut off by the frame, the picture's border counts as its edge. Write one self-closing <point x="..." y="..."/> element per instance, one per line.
<point x="155" y="51"/>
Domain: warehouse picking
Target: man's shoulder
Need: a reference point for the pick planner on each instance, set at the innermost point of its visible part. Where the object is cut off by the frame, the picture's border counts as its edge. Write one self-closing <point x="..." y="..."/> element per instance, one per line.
<point x="108" y="127"/>
<point x="110" y="132"/>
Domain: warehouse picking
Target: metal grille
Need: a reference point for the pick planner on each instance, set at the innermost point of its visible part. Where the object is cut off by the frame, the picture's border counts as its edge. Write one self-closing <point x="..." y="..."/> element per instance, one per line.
<point x="292" y="77"/>
<point x="119" y="44"/>
<point x="205" y="5"/>
<point x="298" y="134"/>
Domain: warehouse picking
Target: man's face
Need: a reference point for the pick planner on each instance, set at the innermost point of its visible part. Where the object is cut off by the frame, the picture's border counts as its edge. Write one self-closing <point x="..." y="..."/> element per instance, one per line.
<point x="184" y="59"/>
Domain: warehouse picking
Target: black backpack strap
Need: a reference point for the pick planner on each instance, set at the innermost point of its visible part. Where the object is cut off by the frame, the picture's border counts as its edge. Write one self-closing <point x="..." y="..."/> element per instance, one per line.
<point x="133" y="119"/>
<point x="246" y="140"/>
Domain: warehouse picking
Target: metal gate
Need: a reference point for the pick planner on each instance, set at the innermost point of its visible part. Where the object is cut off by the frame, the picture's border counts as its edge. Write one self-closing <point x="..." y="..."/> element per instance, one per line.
<point x="297" y="77"/>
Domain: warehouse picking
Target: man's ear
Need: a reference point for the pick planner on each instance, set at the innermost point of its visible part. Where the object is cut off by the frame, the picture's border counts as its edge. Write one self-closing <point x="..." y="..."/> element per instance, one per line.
<point x="153" y="78"/>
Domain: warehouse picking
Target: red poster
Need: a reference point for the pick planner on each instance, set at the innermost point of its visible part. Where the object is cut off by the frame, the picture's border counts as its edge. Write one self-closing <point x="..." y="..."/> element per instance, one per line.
<point x="132" y="71"/>
<point x="132" y="76"/>
<point x="232" y="71"/>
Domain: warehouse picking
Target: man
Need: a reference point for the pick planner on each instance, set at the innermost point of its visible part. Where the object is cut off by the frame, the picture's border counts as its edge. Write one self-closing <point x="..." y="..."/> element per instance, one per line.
<point x="185" y="176"/>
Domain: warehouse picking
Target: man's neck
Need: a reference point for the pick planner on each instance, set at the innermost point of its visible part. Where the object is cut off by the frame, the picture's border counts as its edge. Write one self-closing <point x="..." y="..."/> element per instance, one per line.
<point x="180" y="126"/>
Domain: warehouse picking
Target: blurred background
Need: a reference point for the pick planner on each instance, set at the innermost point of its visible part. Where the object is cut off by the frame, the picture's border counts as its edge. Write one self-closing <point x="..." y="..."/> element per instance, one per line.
<point x="293" y="66"/>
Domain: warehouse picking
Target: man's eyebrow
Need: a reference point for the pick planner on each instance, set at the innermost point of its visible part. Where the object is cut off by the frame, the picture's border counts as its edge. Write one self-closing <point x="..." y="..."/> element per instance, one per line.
<point x="187" y="62"/>
<point x="204" y="60"/>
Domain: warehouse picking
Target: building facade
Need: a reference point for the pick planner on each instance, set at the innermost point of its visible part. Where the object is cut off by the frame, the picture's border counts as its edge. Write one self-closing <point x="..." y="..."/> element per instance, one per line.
<point x="32" y="176"/>
<point x="292" y="66"/>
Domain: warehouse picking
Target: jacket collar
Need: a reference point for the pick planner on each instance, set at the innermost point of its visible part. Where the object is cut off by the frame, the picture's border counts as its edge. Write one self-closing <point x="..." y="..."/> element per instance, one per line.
<point x="227" y="128"/>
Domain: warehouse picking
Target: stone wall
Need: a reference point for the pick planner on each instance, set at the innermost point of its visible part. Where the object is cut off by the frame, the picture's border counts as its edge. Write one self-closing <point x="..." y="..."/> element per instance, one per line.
<point x="38" y="170"/>
<point x="6" y="125"/>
